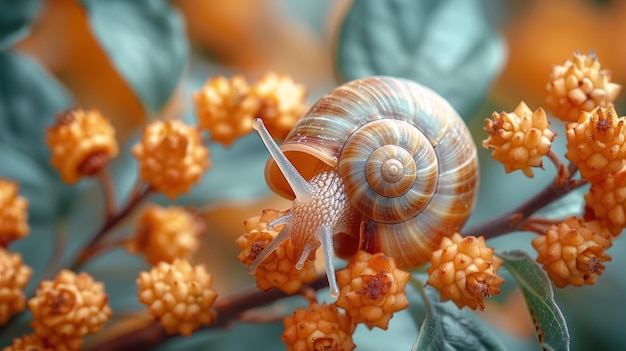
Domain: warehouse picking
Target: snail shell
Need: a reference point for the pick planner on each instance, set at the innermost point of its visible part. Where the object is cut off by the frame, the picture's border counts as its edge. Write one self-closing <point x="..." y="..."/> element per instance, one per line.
<point x="365" y="129"/>
<point x="406" y="162"/>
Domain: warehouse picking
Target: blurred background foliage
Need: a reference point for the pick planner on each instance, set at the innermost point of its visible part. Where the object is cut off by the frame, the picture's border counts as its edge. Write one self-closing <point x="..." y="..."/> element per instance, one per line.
<point x="140" y="60"/>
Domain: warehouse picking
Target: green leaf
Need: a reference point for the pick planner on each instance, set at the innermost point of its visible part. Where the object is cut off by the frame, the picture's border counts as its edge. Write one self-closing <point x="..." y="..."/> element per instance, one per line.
<point x="447" y="45"/>
<point x="147" y="43"/>
<point x="30" y="98"/>
<point x="15" y="19"/>
<point x="447" y="327"/>
<point x="549" y="322"/>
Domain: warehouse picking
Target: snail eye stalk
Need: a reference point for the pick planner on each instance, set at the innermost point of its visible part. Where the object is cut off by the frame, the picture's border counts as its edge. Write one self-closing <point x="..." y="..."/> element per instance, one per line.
<point x="300" y="187"/>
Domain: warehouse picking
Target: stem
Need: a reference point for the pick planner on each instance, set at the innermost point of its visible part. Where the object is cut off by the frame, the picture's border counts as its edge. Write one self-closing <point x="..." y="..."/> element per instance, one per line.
<point x="228" y="309"/>
<point x="109" y="193"/>
<point x="538" y="225"/>
<point x="563" y="173"/>
<point x="140" y="192"/>
<point x="97" y="249"/>
<point x="514" y="219"/>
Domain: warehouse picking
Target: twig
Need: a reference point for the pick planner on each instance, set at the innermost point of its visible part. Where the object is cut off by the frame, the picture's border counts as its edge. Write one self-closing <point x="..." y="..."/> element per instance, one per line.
<point x="97" y="249"/>
<point x="563" y="173"/>
<point x="514" y="219"/>
<point x="139" y="194"/>
<point x="109" y="193"/>
<point x="538" y="225"/>
<point x="228" y="309"/>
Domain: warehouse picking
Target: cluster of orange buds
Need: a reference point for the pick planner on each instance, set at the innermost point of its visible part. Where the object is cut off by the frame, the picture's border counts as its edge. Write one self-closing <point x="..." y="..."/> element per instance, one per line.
<point x="579" y="85"/>
<point x="597" y="143"/>
<point x="606" y="201"/>
<point x="14" y="276"/>
<point x="29" y="342"/>
<point x="464" y="270"/>
<point x="171" y="157"/>
<point x="227" y="107"/>
<point x="318" y="327"/>
<point x="372" y="289"/>
<point x="165" y="234"/>
<point x="13" y="213"/>
<point x="81" y="143"/>
<point x="68" y="308"/>
<point x="178" y="295"/>
<point x="572" y="252"/>
<point x="580" y="94"/>
<point x="278" y="270"/>
<point x="519" y="139"/>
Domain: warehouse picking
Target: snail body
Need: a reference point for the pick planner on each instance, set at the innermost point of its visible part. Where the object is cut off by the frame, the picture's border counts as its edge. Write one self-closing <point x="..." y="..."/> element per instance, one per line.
<point x="379" y="164"/>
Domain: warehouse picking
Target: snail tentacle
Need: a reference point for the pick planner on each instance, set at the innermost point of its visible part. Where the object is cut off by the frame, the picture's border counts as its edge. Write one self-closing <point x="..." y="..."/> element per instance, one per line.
<point x="286" y="219"/>
<point x="280" y="238"/>
<point x="299" y="185"/>
<point x="325" y="236"/>
<point x="306" y="251"/>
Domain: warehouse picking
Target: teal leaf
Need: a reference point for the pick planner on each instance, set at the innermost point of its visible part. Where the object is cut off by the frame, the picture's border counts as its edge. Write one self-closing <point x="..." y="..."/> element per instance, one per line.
<point x="15" y="20"/>
<point x="448" y="45"/>
<point x="447" y="327"/>
<point x="146" y="42"/>
<point x="549" y="322"/>
<point x="30" y="98"/>
<point x="33" y="181"/>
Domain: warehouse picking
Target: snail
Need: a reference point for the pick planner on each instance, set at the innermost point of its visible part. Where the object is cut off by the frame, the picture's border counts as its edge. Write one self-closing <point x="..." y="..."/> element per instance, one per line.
<point x="378" y="164"/>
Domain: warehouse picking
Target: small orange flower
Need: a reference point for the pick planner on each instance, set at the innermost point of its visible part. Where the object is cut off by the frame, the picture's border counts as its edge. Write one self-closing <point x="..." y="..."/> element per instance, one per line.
<point x="464" y="270"/>
<point x="572" y="252"/>
<point x="68" y="308"/>
<point x="278" y="270"/>
<point x="82" y="143"/>
<point x="171" y="157"/>
<point x="372" y="289"/>
<point x="165" y="234"/>
<point x="579" y="85"/>
<point x="14" y="276"/>
<point x="607" y="200"/>
<point x="279" y="103"/>
<point x="519" y="139"/>
<point x="13" y="213"/>
<point x="178" y="295"/>
<point x="597" y="143"/>
<point x="221" y="110"/>
<point x="319" y="327"/>
<point x="227" y="107"/>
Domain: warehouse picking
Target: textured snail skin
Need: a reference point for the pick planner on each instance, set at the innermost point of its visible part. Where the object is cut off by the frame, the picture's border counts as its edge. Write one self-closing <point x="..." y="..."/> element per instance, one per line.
<point x="404" y="158"/>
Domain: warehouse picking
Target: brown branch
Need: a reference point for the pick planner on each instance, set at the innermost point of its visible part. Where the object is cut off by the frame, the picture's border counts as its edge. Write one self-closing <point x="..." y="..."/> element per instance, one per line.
<point x="109" y="193"/>
<point x="514" y="219"/>
<point x="97" y="249"/>
<point x="228" y="309"/>
<point x="139" y="194"/>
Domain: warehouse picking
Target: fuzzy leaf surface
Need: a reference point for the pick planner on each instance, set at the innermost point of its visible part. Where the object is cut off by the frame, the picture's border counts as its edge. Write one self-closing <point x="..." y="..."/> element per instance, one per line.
<point x="550" y="323"/>
<point x="447" y="327"/>
<point x="450" y="46"/>
<point x="146" y="41"/>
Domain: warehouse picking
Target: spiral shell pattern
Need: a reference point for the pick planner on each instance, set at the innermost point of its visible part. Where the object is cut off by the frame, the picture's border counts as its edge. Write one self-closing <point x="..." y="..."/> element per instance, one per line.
<point x="406" y="158"/>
